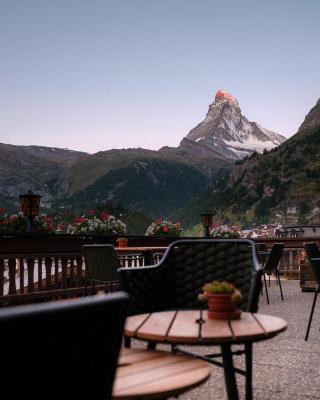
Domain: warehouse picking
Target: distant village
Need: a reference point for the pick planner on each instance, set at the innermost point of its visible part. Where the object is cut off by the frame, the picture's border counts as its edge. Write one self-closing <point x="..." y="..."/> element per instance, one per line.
<point x="270" y="231"/>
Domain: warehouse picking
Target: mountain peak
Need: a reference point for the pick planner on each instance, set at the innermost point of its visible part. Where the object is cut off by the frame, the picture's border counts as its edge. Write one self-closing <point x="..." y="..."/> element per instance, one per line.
<point x="226" y="131"/>
<point x="223" y="95"/>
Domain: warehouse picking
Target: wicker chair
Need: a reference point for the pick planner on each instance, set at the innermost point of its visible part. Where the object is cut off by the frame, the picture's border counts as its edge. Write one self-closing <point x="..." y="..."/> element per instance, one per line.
<point x="271" y="266"/>
<point x="312" y="251"/>
<point x="101" y="263"/>
<point x="176" y="281"/>
<point x="54" y="350"/>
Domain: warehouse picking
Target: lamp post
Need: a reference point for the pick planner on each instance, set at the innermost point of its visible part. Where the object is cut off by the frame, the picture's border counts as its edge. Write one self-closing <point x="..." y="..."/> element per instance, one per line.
<point x="30" y="207"/>
<point x="206" y="222"/>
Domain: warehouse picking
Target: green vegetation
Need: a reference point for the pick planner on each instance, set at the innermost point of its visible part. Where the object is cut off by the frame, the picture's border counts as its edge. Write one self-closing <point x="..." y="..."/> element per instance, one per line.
<point x="260" y="186"/>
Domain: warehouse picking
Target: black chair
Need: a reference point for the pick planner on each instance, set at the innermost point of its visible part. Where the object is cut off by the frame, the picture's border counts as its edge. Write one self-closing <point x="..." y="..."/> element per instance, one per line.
<point x="271" y="266"/>
<point x="176" y="281"/>
<point x="62" y="350"/>
<point x="101" y="263"/>
<point x="312" y="251"/>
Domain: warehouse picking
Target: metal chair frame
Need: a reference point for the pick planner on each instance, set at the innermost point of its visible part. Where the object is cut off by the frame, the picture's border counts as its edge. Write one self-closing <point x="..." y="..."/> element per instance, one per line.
<point x="271" y="266"/>
<point x="313" y="251"/>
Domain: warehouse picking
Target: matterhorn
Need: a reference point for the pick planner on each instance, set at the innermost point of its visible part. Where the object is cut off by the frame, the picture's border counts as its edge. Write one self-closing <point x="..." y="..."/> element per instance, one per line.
<point x="227" y="132"/>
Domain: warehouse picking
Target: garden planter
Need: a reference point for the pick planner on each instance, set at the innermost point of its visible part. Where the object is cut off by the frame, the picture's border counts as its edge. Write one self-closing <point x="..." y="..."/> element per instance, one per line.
<point x="220" y="306"/>
<point x="122" y="242"/>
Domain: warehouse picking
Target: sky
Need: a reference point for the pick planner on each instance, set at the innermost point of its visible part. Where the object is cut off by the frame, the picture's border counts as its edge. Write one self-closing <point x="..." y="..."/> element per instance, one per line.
<point x="97" y="74"/>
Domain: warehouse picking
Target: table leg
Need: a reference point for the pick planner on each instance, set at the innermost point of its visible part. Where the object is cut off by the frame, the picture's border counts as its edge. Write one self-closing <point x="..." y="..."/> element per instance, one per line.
<point x="248" y="355"/>
<point x="127" y="342"/>
<point x="229" y="373"/>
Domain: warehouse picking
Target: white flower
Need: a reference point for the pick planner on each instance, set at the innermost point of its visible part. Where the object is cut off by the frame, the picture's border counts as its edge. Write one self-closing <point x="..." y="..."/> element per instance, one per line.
<point x="162" y="227"/>
<point x="111" y="226"/>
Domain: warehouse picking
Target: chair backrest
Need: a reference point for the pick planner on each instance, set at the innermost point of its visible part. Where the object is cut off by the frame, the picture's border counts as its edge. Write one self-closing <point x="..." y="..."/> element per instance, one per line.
<point x="274" y="257"/>
<point x="62" y="350"/>
<point x="186" y="266"/>
<point x="101" y="262"/>
<point x="261" y="247"/>
<point x="312" y="251"/>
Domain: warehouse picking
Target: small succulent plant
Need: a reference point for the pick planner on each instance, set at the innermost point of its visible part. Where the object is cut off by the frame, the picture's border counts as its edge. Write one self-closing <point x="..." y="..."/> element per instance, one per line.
<point x="220" y="287"/>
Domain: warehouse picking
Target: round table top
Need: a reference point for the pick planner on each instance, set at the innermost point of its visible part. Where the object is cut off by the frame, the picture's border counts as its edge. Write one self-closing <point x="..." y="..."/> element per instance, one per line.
<point x="187" y="327"/>
<point x="143" y="374"/>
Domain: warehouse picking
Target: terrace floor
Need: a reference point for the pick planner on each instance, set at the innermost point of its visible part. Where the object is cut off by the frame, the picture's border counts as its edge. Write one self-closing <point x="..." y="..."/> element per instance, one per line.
<point x="285" y="367"/>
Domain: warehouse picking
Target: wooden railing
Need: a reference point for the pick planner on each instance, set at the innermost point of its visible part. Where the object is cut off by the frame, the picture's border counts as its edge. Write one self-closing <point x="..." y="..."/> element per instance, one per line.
<point x="35" y="276"/>
<point x="293" y="253"/>
<point x="37" y="268"/>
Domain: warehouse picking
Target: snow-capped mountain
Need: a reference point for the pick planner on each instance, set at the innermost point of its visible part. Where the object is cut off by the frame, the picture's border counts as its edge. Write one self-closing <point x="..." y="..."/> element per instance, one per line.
<point x="229" y="133"/>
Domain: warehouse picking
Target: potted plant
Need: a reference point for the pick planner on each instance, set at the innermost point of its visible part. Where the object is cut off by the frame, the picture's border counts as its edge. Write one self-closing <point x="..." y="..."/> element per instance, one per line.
<point x="222" y="297"/>
<point x="122" y="242"/>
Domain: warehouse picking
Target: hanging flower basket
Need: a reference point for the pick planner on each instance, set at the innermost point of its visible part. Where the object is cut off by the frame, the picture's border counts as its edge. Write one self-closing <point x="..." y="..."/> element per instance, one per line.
<point x="164" y="228"/>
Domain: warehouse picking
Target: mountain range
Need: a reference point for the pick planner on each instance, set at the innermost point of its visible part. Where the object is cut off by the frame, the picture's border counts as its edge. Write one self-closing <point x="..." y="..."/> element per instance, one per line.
<point x="218" y="165"/>
<point x="282" y="185"/>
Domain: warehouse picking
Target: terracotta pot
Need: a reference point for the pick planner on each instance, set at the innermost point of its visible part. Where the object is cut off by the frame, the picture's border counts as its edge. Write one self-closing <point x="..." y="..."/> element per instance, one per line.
<point x="220" y="306"/>
<point x="122" y="242"/>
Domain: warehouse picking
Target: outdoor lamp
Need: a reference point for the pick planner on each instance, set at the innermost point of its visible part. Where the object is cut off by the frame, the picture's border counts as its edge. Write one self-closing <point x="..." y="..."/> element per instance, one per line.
<point x="206" y="222"/>
<point x="30" y="207"/>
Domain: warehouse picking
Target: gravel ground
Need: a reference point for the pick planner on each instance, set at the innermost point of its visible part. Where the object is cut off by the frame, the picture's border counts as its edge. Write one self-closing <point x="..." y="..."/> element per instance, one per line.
<point x="284" y="367"/>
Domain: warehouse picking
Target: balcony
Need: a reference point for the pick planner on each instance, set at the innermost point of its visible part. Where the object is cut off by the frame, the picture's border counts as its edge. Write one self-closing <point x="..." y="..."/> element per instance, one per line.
<point x="35" y="268"/>
<point x="286" y="367"/>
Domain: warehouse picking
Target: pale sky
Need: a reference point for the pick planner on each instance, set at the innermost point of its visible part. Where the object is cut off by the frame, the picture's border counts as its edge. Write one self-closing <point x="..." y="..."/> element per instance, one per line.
<point x="97" y="74"/>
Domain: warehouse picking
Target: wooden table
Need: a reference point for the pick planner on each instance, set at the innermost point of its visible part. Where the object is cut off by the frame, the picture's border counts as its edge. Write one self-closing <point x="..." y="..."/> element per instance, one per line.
<point x="142" y="249"/>
<point x="193" y="328"/>
<point x="143" y="374"/>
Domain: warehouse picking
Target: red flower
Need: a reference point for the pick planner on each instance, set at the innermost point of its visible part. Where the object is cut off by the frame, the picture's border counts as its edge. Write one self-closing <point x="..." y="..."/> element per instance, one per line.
<point x="91" y="212"/>
<point x="165" y="229"/>
<point x="78" y="220"/>
<point x="104" y="215"/>
<point x="158" y="221"/>
<point x="1" y="210"/>
<point x="13" y="218"/>
<point x="47" y="219"/>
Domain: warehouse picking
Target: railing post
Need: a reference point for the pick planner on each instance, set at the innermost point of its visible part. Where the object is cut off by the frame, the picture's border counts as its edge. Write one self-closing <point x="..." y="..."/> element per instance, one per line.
<point x="30" y="266"/>
<point x="12" y="276"/>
